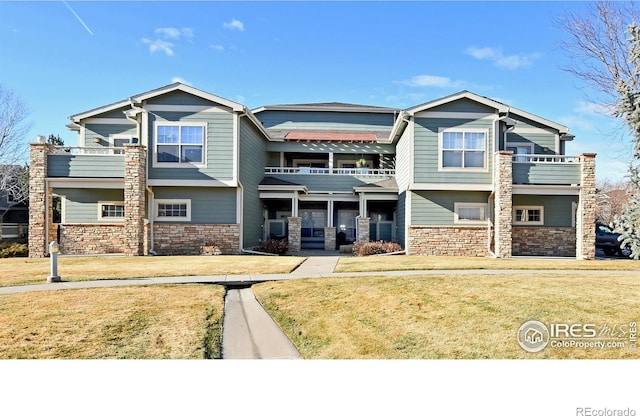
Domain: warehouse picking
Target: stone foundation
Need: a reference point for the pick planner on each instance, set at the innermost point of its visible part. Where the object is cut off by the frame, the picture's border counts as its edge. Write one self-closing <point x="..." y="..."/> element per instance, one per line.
<point x="329" y="238"/>
<point x="362" y="231"/>
<point x="295" y="234"/>
<point x="189" y="239"/>
<point x="92" y="239"/>
<point x="544" y="241"/>
<point x="448" y="241"/>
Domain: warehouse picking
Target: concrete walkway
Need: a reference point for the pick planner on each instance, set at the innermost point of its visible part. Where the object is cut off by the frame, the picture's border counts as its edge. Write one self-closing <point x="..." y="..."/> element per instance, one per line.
<point x="248" y="330"/>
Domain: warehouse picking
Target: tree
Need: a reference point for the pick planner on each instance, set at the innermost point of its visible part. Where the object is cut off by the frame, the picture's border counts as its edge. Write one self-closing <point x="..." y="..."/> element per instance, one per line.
<point x="55" y="140"/>
<point x="611" y="197"/>
<point x="604" y="44"/>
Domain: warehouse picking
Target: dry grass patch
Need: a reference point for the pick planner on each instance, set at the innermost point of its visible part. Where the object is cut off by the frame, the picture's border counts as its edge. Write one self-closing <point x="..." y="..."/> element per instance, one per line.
<point x="388" y="263"/>
<point x="18" y="271"/>
<point x="456" y="316"/>
<point x="178" y="322"/>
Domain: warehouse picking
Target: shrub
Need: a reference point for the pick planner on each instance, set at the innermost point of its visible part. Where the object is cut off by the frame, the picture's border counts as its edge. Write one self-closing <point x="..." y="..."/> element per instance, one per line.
<point x="273" y="246"/>
<point x="13" y="250"/>
<point x="375" y="247"/>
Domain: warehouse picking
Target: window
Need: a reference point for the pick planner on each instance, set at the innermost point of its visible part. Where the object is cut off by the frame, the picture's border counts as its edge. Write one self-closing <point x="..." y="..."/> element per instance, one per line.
<point x="468" y="213"/>
<point x="528" y="215"/>
<point x="521" y="149"/>
<point x="173" y="210"/>
<point x="110" y="211"/>
<point x="180" y="143"/>
<point x="118" y="141"/>
<point x="461" y="149"/>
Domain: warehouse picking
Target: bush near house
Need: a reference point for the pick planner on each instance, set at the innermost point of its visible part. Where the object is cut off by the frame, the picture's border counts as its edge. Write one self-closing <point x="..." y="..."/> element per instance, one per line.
<point x="13" y="250"/>
<point x="273" y="246"/>
<point x="375" y="247"/>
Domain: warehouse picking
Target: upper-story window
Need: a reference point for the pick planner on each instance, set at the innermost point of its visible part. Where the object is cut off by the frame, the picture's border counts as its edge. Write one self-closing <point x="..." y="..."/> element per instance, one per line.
<point x="180" y="143"/>
<point x="462" y="149"/>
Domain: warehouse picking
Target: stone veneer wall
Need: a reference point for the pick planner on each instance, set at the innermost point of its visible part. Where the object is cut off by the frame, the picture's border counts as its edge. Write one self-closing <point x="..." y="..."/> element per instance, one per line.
<point x="134" y="198"/>
<point x="294" y="225"/>
<point x="362" y="231"/>
<point x="586" y="215"/>
<point x="40" y="200"/>
<point x="448" y="241"/>
<point x="329" y="238"/>
<point x="188" y="239"/>
<point x="92" y="238"/>
<point x="503" y="202"/>
<point x="544" y="241"/>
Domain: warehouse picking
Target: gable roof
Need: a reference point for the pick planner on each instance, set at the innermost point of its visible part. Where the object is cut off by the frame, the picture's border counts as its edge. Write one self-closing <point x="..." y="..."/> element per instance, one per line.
<point x="331" y="107"/>
<point x="489" y="102"/>
<point x="138" y="98"/>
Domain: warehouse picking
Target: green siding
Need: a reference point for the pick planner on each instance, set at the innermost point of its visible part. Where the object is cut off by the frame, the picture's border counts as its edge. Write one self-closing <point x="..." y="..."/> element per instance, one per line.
<point x="85" y="166"/>
<point x="464" y="105"/>
<point x="81" y="205"/>
<point x="539" y="141"/>
<point x="208" y="205"/>
<point x="181" y="98"/>
<point x="425" y="169"/>
<point x="403" y="160"/>
<point x="325" y="120"/>
<point x="557" y="208"/>
<point x="252" y="160"/>
<point x="437" y="208"/>
<point x="219" y="163"/>
<point x="401" y="218"/>
<point x="546" y="173"/>
<point x="103" y="131"/>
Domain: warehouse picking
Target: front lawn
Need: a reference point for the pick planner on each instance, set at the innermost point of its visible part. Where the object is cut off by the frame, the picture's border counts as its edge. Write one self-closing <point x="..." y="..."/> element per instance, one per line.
<point x="20" y="271"/>
<point x="446" y="316"/>
<point x="154" y="322"/>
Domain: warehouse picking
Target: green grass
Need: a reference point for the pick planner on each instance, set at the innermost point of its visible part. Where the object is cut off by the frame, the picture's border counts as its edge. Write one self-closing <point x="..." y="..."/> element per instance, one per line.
<point x="21" y="271"/>
<point x="444" y="316"/>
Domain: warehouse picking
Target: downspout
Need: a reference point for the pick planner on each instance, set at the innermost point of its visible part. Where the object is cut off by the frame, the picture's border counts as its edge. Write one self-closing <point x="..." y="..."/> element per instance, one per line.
<point x="151" y="202"/>
<point x="240" y="208"/>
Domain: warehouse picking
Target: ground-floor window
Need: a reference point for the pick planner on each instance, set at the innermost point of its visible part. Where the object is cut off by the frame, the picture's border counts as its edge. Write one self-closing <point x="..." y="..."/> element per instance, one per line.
<point x="110" y="211"/>
<point x="173" y="210"/>
<point x="529" y="215"/>
<point x="469" y="213"/>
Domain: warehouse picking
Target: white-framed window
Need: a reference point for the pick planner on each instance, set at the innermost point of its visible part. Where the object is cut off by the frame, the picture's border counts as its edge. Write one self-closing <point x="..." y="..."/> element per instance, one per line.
<point x="462" y="149"/>
<point x="111" y="210"/>
<point x="520" y="149"/>
<point x="173" y="210"/>
<point x="118" y="141"/>
<point x="470" y="212"/>
<point x="529" y="215"/>
<point x="180" y="144"/>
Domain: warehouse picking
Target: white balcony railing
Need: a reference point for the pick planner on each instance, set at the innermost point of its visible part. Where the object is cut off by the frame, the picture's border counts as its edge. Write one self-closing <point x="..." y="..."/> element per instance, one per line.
<point x="545" y="159"/>
<point x="96" y="150"/>
<point x="326" y="171"/>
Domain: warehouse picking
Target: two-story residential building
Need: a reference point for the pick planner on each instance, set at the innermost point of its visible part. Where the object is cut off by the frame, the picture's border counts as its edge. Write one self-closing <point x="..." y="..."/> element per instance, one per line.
<point x="175" y="169"/>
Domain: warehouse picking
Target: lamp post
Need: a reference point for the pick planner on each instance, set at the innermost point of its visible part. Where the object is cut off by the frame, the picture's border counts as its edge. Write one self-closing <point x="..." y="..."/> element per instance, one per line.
<point x="54" y="248"/>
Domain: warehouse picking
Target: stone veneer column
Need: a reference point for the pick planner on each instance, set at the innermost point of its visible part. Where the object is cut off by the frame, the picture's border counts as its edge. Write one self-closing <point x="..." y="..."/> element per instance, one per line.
<point x="329" y="238"/>
<point x="295" y="230"/>
<point x="503" y="202"/>
<point x="362" y="231"/>
<point x="40" y="200"/>
<point x="586" y="213"/>
<point x="135" y="184"/>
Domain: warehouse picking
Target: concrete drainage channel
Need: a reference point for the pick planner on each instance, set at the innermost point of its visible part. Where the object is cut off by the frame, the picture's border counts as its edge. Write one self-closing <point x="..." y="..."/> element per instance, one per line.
<point x="248" y="331"/>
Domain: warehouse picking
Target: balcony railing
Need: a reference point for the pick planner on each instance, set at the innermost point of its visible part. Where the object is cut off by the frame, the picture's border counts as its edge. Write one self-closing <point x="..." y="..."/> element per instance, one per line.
<point x="545" y="159"/>
<point x="326" y="171"/>
<point x="96" y="150"/>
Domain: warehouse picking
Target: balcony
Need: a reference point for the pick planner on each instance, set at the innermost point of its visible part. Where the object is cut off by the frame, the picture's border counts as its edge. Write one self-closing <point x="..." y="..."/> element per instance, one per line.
<point x="86" y="162"/>
<point x="546" y="169"/>
<point x="329" y="180"/>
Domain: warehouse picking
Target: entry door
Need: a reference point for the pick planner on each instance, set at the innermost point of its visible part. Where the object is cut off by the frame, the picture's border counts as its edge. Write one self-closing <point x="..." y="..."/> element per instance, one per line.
<point x="313" y="223"/>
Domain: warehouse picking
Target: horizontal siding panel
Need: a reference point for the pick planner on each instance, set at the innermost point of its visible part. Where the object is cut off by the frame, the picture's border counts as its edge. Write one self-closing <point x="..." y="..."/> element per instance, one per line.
<point x="182" y="98"/>
<point x="464" y="105"/>
<point x="307" y="120"/>
<point x="437" y="208"/>
<point x="85" y="166"/>
<point x="252" y="160"/>
<point x="81" y="205"/>
<point x="539" y="141"/>
<point x="326" y="183"/>
<point x="546" y="173"/>
<point x="558" y="211"/>
<point x="208" y="205"/>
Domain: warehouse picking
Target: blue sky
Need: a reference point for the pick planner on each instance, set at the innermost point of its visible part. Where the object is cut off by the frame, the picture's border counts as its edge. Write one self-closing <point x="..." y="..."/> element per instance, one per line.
<point x="64" y="58"/>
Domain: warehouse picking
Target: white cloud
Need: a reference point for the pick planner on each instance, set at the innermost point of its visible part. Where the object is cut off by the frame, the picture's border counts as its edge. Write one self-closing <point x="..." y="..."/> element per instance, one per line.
<point x="219" y="48"/>
<point x="503" y="61"/>
<point x="430" y="81"/>
<point x="174" y="33"/>
<point x="159" y="45"/>
<point x="181" y="80"/>
<point x="234" y="25"/>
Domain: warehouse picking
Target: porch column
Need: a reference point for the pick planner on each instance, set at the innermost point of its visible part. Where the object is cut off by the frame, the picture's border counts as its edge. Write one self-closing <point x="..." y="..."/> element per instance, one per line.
<point x="329" y="238"/>
<point x="40" y="200"/>
<point x="362" y="232"/>
<point x="586" y="214"/>
<point x="135" y="183"/>
<point x="295" y="229"/>
<point x="503" y="191"/>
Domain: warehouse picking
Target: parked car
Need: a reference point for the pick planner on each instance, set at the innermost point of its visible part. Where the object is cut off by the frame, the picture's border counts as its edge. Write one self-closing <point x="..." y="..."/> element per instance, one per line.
<point x="608" y="241"/>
